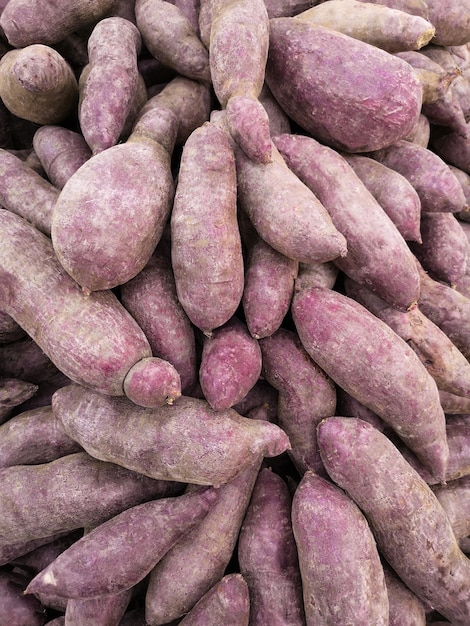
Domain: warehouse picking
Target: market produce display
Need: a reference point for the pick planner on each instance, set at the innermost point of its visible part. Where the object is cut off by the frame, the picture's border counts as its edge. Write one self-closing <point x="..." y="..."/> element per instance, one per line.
<point x="234" y="312"/>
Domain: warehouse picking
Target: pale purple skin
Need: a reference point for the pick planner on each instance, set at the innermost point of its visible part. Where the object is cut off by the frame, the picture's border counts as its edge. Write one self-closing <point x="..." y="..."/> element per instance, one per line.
<point x="306" y="395"/>
<point x="278" y="120"/>
<point x="421" y="132"/>
<point x="453" y="148"/>
<point x="378" y="256"/>
<point x="454" y="498"/>
<point x="287" y="8"/>
<point x="206" y="251"/>
<point x="92" y="339"/>
<point x="367" y="359"/>
<point x="436" y="185"/>
<point x="97" y="611"/>
<point x="40" y="557"/>
<point x="152" y="382"/>
<point x="199" y="560"/>
<point x="464" y="180"/>
<point x="10" y="331"/>
<point x="15" y="607"/>
<point x="448" y="309"/>
<point x="120" y="552"/>
<point x="25" y="22"/>
<point x="347" y="406"/>
<point x="285" y="212"/>
<point x="267" y="555"/>
<point x="14" y="392"/>
<point x="342" y="576"/>
<point x="262" y="393"/>
<point x="444" y="249"/>
<point x="195" y="444"/>
<point x="453" y="404"/>
<point x="451" y="19"/>
<point x="61" y="152"/>
<point x="108" y="84"/>
<point x="414" y="7"/>
<point x="150" y="297"/>
<point x="190" y="8"/>
<point x="227" y="602"/>
<point x="366" y="104"/>
<point x="411" y="528"/>
<point x="269" y="287"/>
<point x="171" y="38"/>
<point x="238" y="51"/>
<point x="34" y="437"/>
<point x="405" y="608"/>
<point x="10" y="551"/>
<point x="316" y="275"/>
<point x="72" y="492"/>
<point x="395" y="194"/>
<point x="442" y="359"/>
<point x="230" y="364"/>
<point x="26" y="193"/>
<point x="447" y="112"/>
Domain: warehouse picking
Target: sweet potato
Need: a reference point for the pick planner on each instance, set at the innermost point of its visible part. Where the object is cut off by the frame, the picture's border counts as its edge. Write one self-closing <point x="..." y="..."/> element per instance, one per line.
<point x="377" y="253"/>
<point x="392" y="30"/>
<point x="163" y="27"/>
<point x="405" y="608"/>
<point x="316" y="275"/>
<point x="410" y="527"/>
<point x="454" y="498"/>
<point x="206" y="250"/>
<point x="76" y="491"/>
<point x="452" y="147"/>
<point x="15" y="607"/>
<point x="10" y="331"/>
<point x="9" y="551"/>
<point x="452" y="21"/>
<point x="453" y="404"/>
<point x="307" y="75"/>
<point x="269" y="287"/>
<point x="262" y="393"/>
<point x="413" y="7"/>
<point x="24" y="359"/>
<point x="136" y="538"/>
<point x="227" y="602"/>
<point x="230" y="364"/>
<point x="342" y="576"/>
<point x="37" y="559"/>
<point x="421" y="132"/>
<point x="214" y="445"/>
<point x="61" y="152"/>
<point x="278" y="120"/>
<point x="97" y="611"/>
<point x="267" y="555"/>
<point x="347" y="406"/>
<point x="306" y="395"/>
<point x="200" y="559"/>
<point x="13" y="392"/>
<point x="360" y="352"/>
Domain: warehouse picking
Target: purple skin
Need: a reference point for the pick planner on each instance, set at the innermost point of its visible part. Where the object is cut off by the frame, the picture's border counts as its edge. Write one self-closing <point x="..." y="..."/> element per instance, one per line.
<point x="378" y="256"/>
<point x="34" y="437"/>
<point x="411" y="528"/>
<point x="447" y="111"/>
<point x="227" y="602"/>
<point x="24" y="359"/>
<point x="405" y="608"/>
<point x="40" y="557"/>
<point x="206" y="250"/>
<point x="91" y="338"/>
<point x="72" y="492"/>
<point x="442" y="359"/>
<point x="136" y="539"/>
<point x="453" y="404"/>
<point x="14" y="392"/>
<point x="230" y="365"/>
<point x="269" y="287"/>
<point x="395" y="194"/>
<point x="300" y="229"/>
<point x="15" y="607"/>
<point x="200" y="559"/>
<point x="97" y="611"/>
<point x="451" y="19"/>
<point x="278" y="120"/>
<point x="9" y="330"/>
<point x="148" y="375"/>
<point x="267" y="555"/>
<point x="421" y="132"/>
<point x="26" y="193"/>
<point x="262" y="393"/>
<point x="342" y="576"/>
<point x="316" y="275"/>
<point x="195" y="443"/>
<point x="436" y="185"/>
<point x="369" y="361"/>
<point x="61" y="152"/>
<point x="364" y="105"/>
<point x="347" y="406"/>
<point x="464" y="180"/>
<point x="454" y="498"/>
<point x="306" y="395"/>
<point x="9" y="552"/>
<point x="452" y="147"/>
<point x="150" y="297"/>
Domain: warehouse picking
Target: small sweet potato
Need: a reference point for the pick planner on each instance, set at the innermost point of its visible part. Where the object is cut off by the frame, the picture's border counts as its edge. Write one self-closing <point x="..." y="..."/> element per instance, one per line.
<point x="421" y="132"/>
<point x="316" y="275"/>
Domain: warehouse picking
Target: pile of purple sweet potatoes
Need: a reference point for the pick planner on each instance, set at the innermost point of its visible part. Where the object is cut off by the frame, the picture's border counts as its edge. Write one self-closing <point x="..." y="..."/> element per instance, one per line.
<point x="234" y="312"/>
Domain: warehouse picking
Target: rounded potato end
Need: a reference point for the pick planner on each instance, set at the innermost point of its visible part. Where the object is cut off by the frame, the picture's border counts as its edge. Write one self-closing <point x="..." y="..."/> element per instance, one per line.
<point x="152" y="382"/>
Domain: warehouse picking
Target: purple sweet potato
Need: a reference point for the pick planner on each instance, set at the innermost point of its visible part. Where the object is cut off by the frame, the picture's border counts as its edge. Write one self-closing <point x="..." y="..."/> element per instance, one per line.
<point x="405" y="608"/>
<point x="76" y="491"/>
<point x="410" y="526"/>
<point x="347" y="406"/>
<point x="452" y="147"/>
<point x="109" y="82"/>
<point x="164" y="27"/>
<point x="269" y="287"/>
<point x="13" y="392"/>
<point x="34" y="437"/>
<point x="91" y="338"/>
<point x="452" y="21"/>
<point x="61" y="152"/>
<point x="262" y="393"/>
<point x="206" y="250"/>
<point x="15" y="607"/>
<point x="213" y="446"/>
<point x="306" y="395"/>
<point x="454" y="498"/>
<point x="230" y="364"/>
<point x="377" y="253"/>
<point x="436" y="185"/>
<point x="453" y="404"/>
<point x="38" y="558"/>
<point x="150" y="297"/>
<point x="278" y="120"/>
<point x="421" y="132"/>
<point x="360" y="352"/>
<point x="24" y="359"/>
<point x="395" y="194"/>
<point x="316" y="275"/>
<point x="10" y="331"/>
<point x="342" y="576"/>
<point x="267" y="555"/>
<point x="136" y="538"/>
<point x="227" y="602"/>
<point x="97" y="611"/>
<point x="11" y="550"/>
<point x="200" y="559"/>
<point x="139" y="383"/>
<point x="307" y="75"/>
